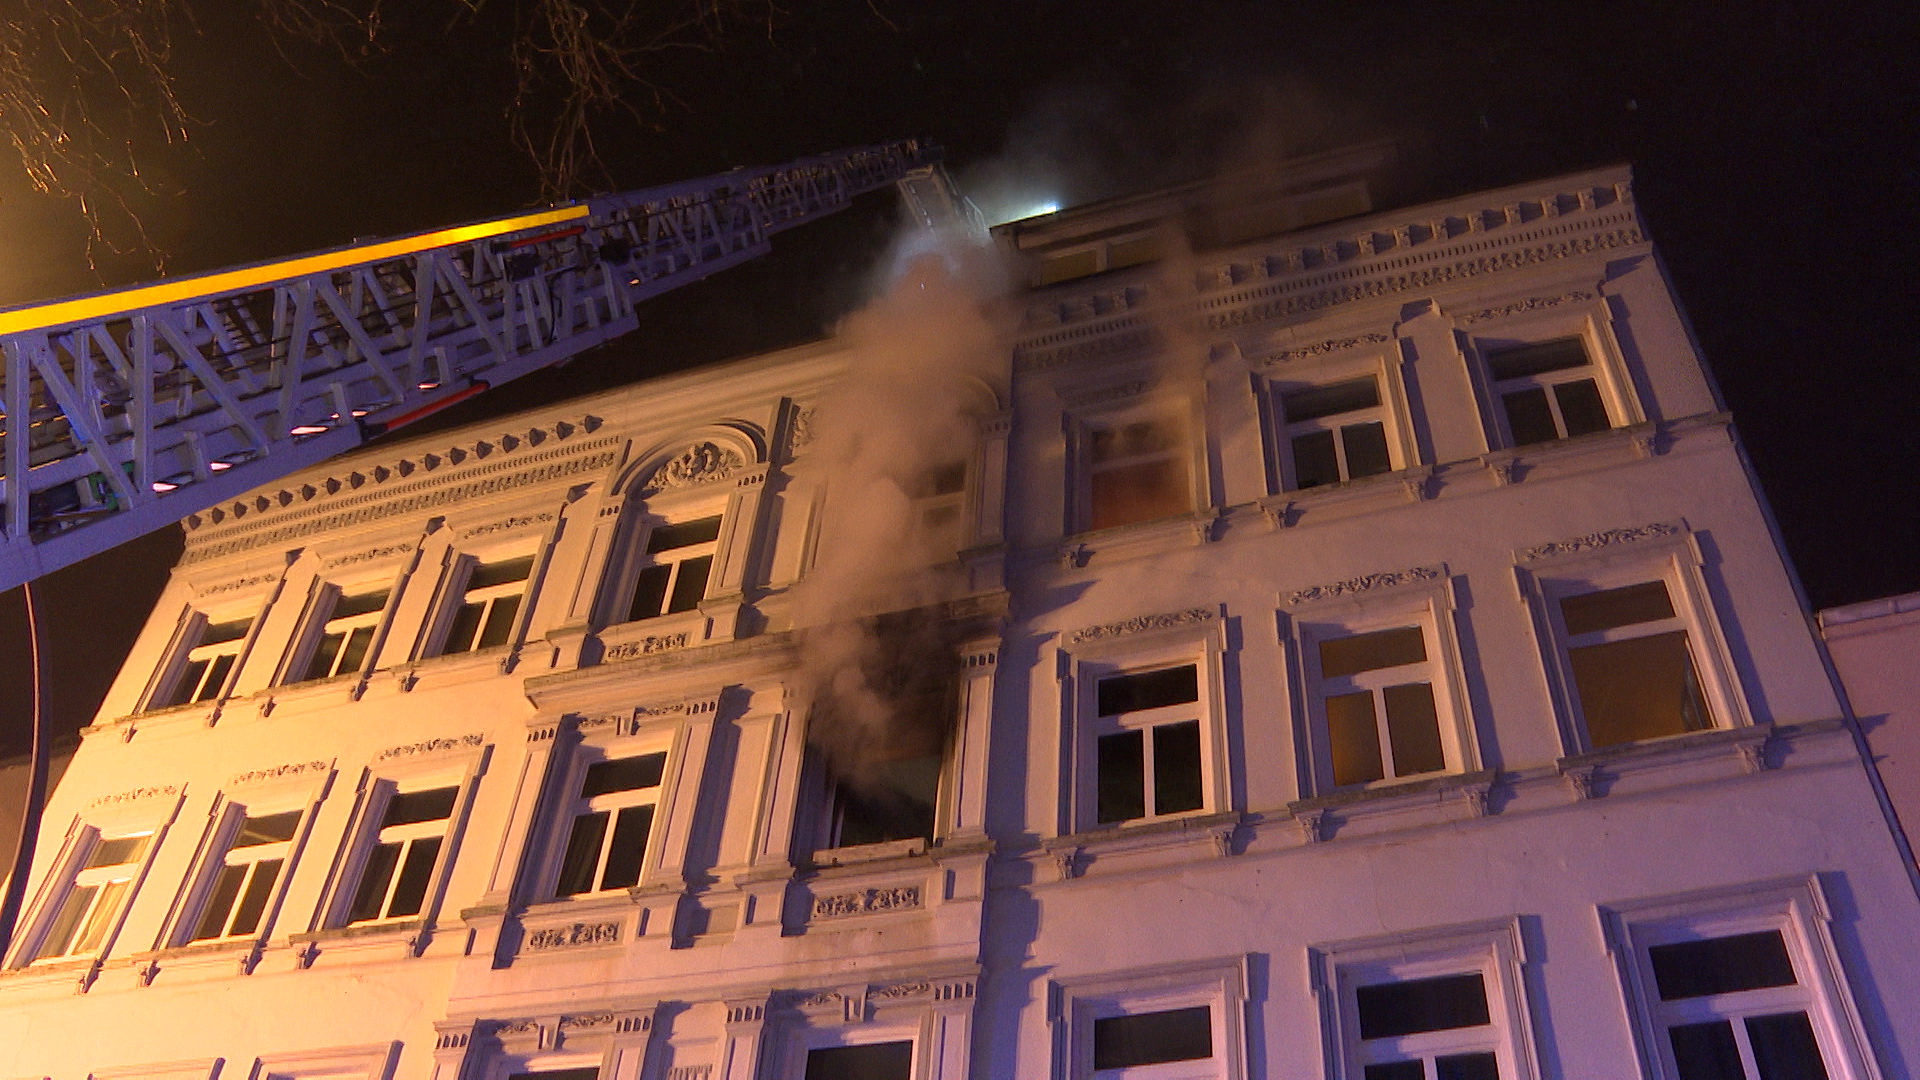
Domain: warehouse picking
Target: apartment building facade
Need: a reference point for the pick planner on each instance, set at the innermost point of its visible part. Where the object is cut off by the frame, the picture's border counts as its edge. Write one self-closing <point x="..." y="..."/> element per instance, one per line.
<point x="1347" y="643"/>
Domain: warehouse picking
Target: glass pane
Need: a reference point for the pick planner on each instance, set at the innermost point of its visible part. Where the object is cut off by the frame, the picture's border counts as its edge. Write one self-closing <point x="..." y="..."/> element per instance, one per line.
<point x="1581" y="409"/>
<point x="1528" y="416"/>
<point x="1176" y="768"/>
<point x="1784" y="1047"/>
<point x="500" y="573"/>
<point x="1121" y="1042"/>
<point x="1140" y="492"/>
<point x="499" y="621"/>
<point x="650" y="592"/>
<point x="583" y="855"/>
<point x="462" y="631"/>
<point x="1413" y="729"/>
<point x="1389" y="1010"/>
<point x="217" y="633"/>
<point x="684" y="534"/>
<point x="247" y="919"/>
<point x="1370" y="652"/>
<point x="267" y="829"/>
<point x="1353" y="738"/>
<point x="100" y="919"/>
<point x="414" y="876"/>
<point x="410" y="807"/>
<point x="877" y="1061"/>
<point x="1314" y="460"/>
<point x="216" y="678"/>
<point x="1315" y="402"/>
<point x="374" y="880"/>
<point x="1727" y="965"/>
<point x="1396" y="1070"/>
<point x="1706" y="1051"/>
<point x="1538" y="358"/>
<point x="124" y="849"/>
<point x="623" y="774"/>
<point x="363" y="604"/>
<point x="1642" y="688"/>
<point x="894" y="801"/>
<point x="324" y="653"/>
<point x="1122" y="778"/>
<point x="585" y="1072"/>
<point x="1134" y="439"/>
<point x="59" y="939"/>
<point x="188" y="687"/>
<point x="355" y="653"/>
<point x="1148" y="690"/>
<point x="1467" y="1067"/>
<point x="629" y="847"/>
<point x="690" y="584"/>
<point x="226" y="888"/>
<point x="1610" y="608"/>
<point x="1366" y="446"/>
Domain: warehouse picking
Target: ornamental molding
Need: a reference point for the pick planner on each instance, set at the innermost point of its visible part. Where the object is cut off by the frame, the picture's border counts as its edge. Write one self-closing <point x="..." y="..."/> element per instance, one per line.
<point x="1101" y="395"/>
<point x="1521" y="307"/>
<point x="1140" y="624"/>
<point x="647" y="646"/>
<point x="1366" y="583"/>
<point x="134" y="795"/>
<point x="400" y="501"/>
<point x="690" y="1072"/>
<point x="236" y="584"/>
<point x="278" y="772"/>
<point x="866" y="901"/>
<point x="586" y="1020"/>
<point x="517" y="521"/>
<point x="1604" y="539"/>
<point x="697" y="465"/>
<point x="629" y="721"/>
<point x="1128" y="334"/>
<point x="434" y="746"/>
<point x="1332" y="345"/>
<point x="803" y="428"/>
<point x="578" y="935"/>
<point x="367" y="555"/>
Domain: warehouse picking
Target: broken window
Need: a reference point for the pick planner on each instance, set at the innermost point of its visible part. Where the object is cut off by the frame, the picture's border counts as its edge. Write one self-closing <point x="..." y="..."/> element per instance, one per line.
<point x="1633" y="672"/>
<point x="492" y="598"/>
<point x="1147" y="740"/>
<point x="209" y="663"/>
<point x="345" y="636"/>
<point x="242" y="886"/>
<point x="398" y="868"/>
<point x="675" y="564"/>
<point x="1137" y="470"/>
<point x="89" y="907"/>
<point x="1377" y="701"/>
<point x="1547" y="390"/>
<point x="613" y="816"/>
<point x="1335" y="432"/>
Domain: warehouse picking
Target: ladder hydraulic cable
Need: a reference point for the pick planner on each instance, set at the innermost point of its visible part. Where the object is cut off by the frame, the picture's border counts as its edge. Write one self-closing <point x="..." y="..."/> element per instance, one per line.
<point x="130" y="409"/>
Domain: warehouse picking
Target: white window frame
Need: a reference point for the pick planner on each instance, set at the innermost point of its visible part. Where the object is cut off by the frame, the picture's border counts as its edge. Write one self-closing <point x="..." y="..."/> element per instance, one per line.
<point x="228" y="816"/>
<point x="1440" y="671"/>
<point x="1672" y="557"/>
<point x="78" y="875"/>
<point x="572" y="806"/>
<point x="1798" y="909"/>
<point x="364" y="835"/>
<point x="319" y="621"/>
<point x="149" y="813"/>
<point x="189" y="649"/>
<point x="458" y="597"/>
<point x="1494" y="949"/>
<point x="1189" y="449"/>
<point x="375" y="1061"/>
<point x="794" y="1067"/>
<point x="1591" y="323"/>
<point x="938" y="542"/>
<point x="1220" y="984"/>
<point x="660" y="513"/>
<point x="1392" y="413"/>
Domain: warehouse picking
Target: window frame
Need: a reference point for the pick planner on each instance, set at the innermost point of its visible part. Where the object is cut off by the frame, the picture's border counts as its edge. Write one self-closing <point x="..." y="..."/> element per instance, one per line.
<point x="327" y="596"/>
<point x="1666" y="552"/>
<point x="1495" y="949"/>
<point x="228" y="815"/>
<point x="187" y="642"/>
<point x="666" y="511"/>
<point x="454" y="598"/>
<point x="570" y="805"/>
<point x="1190" y="444"/>
<point x="1796" y="907"/>
<point x="1392" y="411"/>
<point x="377" y="790"/>
<point x="1591" y="323"/>
<point x="151" y="814"/>
<point x="1218" y="983"/>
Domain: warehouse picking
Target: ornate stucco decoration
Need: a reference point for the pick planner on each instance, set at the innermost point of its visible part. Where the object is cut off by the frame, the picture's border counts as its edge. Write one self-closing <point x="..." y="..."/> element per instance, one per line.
<point x="134" y="795"/>
<point x="701" y="463"/>
<point x="1100" y="395"/>
<point x="803" y="428"/>
<point x="368" y="555"/>
<point x="238" y="583"/>
<point x="434" y="746"/>
<point x="1606" y="538"/>
<point x="1521" y="307"/>
<point x="1332" y="345"/>
<point x="517" y="521"/>
<point x="647" y="646"/>
<point x="866" y="901"/>
<point x="278" y="772"/>
<point x="1366" y="583"/>
<point x="1140" y="624"/>
<point x="573" y="936"/>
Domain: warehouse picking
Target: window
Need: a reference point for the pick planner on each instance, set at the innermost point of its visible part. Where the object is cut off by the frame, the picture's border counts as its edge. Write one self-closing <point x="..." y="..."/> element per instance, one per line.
<point x="612" y="821"/>
<point x="894" y="798"/>
<point x="1152" y="1038"/>
<point x="1734" y="1010"/>
<point x="1436" y="1028"/>
<point x="1137" y="470"/>
<point x="1172" y="1022"/>
<point x="346" y="635"/>
<point x="1148" y="760"/>
<point x="676" y="562"/>
<point x="1335" y="432"/>
<point x="398" y="867"/>
<point x="243" y="885"/>
<point x="872" y="1061"/>
<point x="210" y="661"/>
<point x="1547" y="390"/>
<point x="1633" y="672"/>
<point x="89" y="906"/>
<point x="1376" y="699"/>
<point x="939" y="510"/>
<point x="494" y="592"/>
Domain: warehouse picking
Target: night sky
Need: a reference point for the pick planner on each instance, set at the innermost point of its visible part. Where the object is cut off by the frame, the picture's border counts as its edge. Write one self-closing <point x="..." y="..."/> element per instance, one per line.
<point x="1775" y="157"/>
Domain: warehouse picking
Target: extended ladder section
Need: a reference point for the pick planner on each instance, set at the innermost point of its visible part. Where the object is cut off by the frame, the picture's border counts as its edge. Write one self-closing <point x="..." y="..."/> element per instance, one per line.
<point x="130" y="409"/>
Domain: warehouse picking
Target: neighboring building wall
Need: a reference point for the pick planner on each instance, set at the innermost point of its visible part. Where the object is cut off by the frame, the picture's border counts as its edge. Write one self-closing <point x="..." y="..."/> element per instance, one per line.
<point x="1874" y="645"/>
<point x="1357" y="651"/>
<point x="13" y="794"/>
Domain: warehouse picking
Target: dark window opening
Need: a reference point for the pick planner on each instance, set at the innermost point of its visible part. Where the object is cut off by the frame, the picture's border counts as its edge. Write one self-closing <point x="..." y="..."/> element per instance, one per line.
<point x="1725" y="965"/>
<point x="1121" y="1042"/>
<point x="1148" y="690"/>
<point x="1390" y="1010"/>
<point x="876" y="1061"/>
<point x="1539" y="358"/>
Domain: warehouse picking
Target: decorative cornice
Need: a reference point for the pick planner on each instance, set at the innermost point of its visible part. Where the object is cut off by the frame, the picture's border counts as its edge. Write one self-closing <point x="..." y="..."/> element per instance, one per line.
<point x="1140" y="624"/>
<point x="1604" y="539"/>
<point x="1366" y="583"/>
<point x="277" y="772"/>
<point x="1333" y="345"/>
<point x="134" y="795"/>
<point x="238" y="583"/>
<point x="434" y="746"/>
<point x="866" y="901"/>
<point x="1521" y="307"/>
<point x="1126" y="334"/>
<point x="573" y="936"/>
<point x="701" y="463"/>
<point x="368" y="555"/>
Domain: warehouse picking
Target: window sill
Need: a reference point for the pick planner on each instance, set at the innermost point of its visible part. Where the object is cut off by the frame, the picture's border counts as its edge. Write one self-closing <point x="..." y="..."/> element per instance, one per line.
<point x="860" y="854"/>
<point x="1140" y="538"/>
<point x="1389" y="790"/>
<point x="71" y="974"/>
<point x="1075" y="852"/>
<point x="1350" y="497"/>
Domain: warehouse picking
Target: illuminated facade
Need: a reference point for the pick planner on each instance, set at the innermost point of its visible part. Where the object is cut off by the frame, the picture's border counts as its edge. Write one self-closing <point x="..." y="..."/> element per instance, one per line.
<point x="1358" y="650"/>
